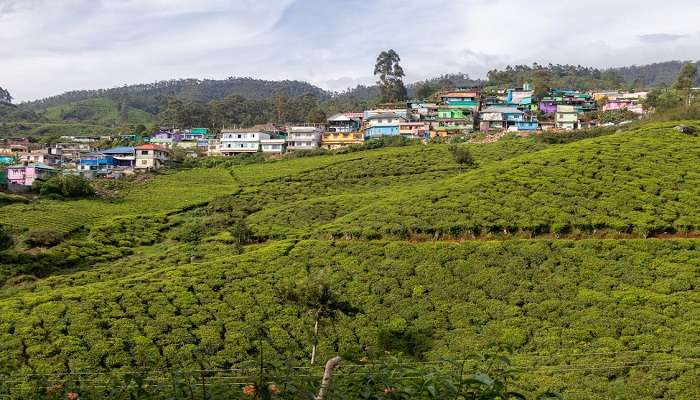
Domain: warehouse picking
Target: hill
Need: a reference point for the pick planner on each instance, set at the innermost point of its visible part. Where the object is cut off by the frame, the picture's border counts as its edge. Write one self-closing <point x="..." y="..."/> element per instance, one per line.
<point x="663" y="74"/>
<point x="143" y="96"/>
<point x="183" y="272"/>
<point x="98" y="111"/>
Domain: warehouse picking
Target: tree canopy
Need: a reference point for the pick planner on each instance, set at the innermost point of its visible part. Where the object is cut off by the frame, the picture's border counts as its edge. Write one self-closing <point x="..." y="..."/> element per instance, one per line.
<point x="390" y="75"/>
<point x="5" y="96"/>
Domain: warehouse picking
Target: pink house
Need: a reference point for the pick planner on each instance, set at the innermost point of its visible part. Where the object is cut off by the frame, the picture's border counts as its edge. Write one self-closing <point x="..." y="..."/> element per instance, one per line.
<point x="25" y="175"/>
<point x="623" y="104"/>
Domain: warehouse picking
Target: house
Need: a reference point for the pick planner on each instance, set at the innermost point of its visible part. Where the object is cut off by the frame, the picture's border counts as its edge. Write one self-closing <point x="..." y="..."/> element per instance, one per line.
<point x="506" y="118"/>
<point x="343" y="123"/>
<point x="273" y="145"/>
<point x="415" y="129"/>
<point x="458" y="98"/>
<point x="383" y="124"/>
<point x="166" y="138"/>
<point x="214" y="147"/>
<point x="69" y="152"/>
<point x="566" y="117"/>
<point x="26" y="174"/>
<point x="105" y="160"/>
<point x="40" y="157"/>
<point x="624" y="101"/>
<point x="303" y="137"/>
<point x="336" y="140"/>
<point x="453" y="120"/>
<point x="422" y="111"/>
<point x="194" y="134"/>
<point x="582" y="102"/>
<point x="520" y="98"/>
<point x="122" y="157"/>
<point x="150" y="156"/>
<point x="367" y="114"/>
<point x="95" y="162"/>
<point x="237" y="141"/>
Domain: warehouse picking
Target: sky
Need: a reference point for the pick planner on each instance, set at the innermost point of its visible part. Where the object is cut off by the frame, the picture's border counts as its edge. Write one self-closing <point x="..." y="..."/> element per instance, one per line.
<point x="48" y="47"/>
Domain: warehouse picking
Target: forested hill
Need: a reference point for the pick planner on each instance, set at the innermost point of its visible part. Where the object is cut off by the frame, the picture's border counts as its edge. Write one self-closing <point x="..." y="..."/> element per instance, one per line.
<point x="652" y="75"/>
<point x="144" y="96"/>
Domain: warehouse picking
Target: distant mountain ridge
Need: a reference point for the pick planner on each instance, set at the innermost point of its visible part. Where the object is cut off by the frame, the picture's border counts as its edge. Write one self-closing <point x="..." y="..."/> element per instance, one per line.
<point x="652" y="75"/>
<point x="142" y="95"/>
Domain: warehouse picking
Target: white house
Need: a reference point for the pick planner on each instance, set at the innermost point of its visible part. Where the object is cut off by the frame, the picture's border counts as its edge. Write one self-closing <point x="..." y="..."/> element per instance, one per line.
<point x="303" y="137"/>
<point x="273" y="146"/>
<point x="235" y="141"/>
<point x="566" y="117"/>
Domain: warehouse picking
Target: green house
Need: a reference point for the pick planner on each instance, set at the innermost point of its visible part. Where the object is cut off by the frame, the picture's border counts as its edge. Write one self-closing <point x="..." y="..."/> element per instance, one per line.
<point x="454" y="113"/>
<point x="199" y="131"/>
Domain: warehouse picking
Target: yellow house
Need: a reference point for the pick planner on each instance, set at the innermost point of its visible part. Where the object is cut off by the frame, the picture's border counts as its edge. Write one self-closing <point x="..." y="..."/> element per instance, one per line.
<point x="336" y="140"/>
<point x="150" y="156"/>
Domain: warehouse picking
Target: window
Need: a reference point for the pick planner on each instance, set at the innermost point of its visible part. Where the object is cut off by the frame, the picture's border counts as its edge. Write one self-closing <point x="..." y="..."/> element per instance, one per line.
<point x="144" y="152"/>
<point x="144" y="162"/>
<point x="240" y="136"/>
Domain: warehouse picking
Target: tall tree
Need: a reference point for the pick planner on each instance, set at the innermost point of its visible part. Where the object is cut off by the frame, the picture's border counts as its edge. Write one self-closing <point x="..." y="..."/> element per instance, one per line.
<point x="686" y="79"/>
<point x="316" y="295"/>
<point x="390" y="75"/>
<point x="5" y="96"/>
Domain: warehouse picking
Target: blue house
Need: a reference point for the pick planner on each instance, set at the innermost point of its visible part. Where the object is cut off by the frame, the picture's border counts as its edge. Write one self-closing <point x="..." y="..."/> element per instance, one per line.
<point x="385" y="124"/>
<point x="527" y="125"/>
<point x="105" y="160"/>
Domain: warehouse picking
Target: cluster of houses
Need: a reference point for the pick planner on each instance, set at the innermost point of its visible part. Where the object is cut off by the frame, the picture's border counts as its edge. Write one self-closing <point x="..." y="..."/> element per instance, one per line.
<point x="23" y="161"/>
<point x="451" y="113"/>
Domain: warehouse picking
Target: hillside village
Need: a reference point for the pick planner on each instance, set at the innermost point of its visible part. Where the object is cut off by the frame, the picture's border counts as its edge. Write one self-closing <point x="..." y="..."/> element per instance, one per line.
<point x="459" y="112"/>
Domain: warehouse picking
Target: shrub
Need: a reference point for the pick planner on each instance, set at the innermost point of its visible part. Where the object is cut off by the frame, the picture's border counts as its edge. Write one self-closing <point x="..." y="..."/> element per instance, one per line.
<point x="68" y="186"/>
<point x="6" y="240"/>
<point x="462" y="155"/>
<point x="43" y="238"/>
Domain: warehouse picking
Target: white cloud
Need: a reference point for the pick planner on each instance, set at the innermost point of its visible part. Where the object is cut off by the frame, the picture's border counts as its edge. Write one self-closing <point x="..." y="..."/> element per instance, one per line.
<point x="48" y="47"/>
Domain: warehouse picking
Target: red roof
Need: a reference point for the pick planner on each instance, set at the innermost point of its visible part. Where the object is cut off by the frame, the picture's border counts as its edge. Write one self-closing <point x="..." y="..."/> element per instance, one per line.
<point x="151" y="146"/>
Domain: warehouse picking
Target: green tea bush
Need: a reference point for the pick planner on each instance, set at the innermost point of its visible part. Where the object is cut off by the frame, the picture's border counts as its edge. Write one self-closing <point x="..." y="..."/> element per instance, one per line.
<point x="555" y="304"/>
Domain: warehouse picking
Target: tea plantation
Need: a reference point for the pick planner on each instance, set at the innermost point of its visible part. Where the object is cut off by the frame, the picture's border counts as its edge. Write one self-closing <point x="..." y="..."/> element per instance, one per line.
<point x="578" y="260"/>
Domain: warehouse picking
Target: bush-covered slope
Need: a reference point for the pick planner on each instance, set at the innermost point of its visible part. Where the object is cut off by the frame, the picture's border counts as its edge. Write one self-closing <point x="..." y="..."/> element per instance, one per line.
<point x="632" y="183"/>
<point x="597" y="304"/>
<point x="182" y="271"/>
<point x="100" y="111"/>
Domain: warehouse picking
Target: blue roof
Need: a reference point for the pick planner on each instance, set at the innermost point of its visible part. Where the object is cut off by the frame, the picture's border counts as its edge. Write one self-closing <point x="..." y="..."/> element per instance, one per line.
<point x="118" y="150"/>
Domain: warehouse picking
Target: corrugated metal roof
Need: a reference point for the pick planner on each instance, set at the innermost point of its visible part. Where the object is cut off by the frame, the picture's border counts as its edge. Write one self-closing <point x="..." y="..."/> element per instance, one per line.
<point x="118" y="150"/>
